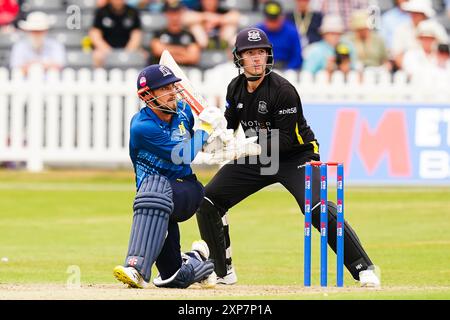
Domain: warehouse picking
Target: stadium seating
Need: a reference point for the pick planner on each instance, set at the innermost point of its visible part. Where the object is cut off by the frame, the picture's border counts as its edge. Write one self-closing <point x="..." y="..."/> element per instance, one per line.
<point x="70" y="39"/>
<point x="152" y="21"/>
<point x="240" y="5"/>
<point x="211" y="58"/>
<point x="43" y="5"/>
<point x="77" y="59"/>
<point x="250" y="19"/>
<point x="124" y="60"/>
<point x="85" y="5"/>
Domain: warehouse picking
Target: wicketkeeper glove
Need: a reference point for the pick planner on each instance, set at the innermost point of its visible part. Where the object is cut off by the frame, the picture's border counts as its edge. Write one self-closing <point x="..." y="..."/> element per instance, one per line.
<point x="212" y="119"/>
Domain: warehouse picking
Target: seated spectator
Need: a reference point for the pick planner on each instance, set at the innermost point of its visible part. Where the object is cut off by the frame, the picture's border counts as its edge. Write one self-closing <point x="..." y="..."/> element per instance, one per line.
<point x="342" y="8"/>
<point x="116" y="26"/>
<point x="37" y="47"/>
<point x="390" y="20"/>
<point x="180" y="43"/>
<point x="307" y="22"/>
<point x="282" y="33"/>
<point x="405" y="36"/>
<point x="9" y="10"/>
<point x="213" y="26"/>
<point x="322" y="55"/>
<point x="425" y="58"/>
<point x="342" y="60"/>
<point x="369" y="46"/>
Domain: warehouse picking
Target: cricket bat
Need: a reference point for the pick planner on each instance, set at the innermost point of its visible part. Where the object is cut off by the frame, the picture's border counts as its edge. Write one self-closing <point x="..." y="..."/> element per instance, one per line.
<point x="198" y="103"/>
<point x="192" y="96"/>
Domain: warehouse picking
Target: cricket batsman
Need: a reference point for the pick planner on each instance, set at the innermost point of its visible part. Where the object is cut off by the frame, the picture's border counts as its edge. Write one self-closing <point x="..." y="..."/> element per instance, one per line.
<point x="162" y="145"/>
<point x="266" y="104"/>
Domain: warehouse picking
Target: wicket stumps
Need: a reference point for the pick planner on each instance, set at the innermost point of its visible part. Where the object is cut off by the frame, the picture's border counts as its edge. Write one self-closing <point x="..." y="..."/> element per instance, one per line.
<point x="324" y="222"/>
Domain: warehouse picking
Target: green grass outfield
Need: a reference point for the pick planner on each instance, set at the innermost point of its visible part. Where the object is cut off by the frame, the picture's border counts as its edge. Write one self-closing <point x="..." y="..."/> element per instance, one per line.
<point x="52" y="220"/>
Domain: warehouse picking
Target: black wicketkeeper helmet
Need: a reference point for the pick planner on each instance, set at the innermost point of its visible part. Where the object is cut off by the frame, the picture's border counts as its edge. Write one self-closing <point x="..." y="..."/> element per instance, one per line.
<point x="252" y="38"/>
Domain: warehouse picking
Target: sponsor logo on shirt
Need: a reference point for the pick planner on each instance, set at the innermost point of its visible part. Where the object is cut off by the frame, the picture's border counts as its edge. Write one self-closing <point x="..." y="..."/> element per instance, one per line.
<point x="288" y="111"/>
<point x="239" y="106"/>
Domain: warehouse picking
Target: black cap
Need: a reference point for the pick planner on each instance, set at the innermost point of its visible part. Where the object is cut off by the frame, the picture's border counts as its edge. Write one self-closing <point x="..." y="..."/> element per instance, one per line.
<point x="272" y="10"/>
<point x="251" y="38"/>
<point x="172" y="6"/>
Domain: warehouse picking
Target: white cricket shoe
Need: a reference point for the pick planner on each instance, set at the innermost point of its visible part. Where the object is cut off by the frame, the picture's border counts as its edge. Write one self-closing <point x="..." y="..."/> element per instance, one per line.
<point x="130" y="276"/>
<point x="369" y="279"/>
<point x="230" y="278"/>
<point x="201" y="247"/>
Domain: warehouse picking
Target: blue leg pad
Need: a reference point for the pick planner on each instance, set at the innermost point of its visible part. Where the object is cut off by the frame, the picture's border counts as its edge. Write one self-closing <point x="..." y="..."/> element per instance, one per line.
<point x="153" y="206"/>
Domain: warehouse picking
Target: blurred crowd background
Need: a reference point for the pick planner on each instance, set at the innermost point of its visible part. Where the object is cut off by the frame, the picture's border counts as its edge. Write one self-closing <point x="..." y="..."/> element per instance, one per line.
<point x="308" y="35"/>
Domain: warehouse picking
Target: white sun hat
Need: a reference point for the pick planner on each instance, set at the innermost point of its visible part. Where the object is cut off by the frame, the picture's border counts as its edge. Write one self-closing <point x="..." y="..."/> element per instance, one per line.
<point x="36" y="21"/>
<point x="421" y="6"/>
<point x="428" y="28"/>
<point x="332" y="23"/>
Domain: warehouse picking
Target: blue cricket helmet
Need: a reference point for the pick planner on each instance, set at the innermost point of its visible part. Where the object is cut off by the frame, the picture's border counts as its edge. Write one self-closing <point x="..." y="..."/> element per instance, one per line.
<point x="156" y="76"/>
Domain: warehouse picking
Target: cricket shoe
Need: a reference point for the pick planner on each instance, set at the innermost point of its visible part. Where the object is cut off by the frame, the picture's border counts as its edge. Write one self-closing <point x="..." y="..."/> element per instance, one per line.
<point x="230" y="278"/>
<point x="130" y="276"/>
<point x="202" y="249"/>
<point x="369" y="279"/>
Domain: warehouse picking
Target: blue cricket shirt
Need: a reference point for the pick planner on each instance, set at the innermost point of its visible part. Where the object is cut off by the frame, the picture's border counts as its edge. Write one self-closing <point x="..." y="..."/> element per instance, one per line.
<point x="164" y="148"/>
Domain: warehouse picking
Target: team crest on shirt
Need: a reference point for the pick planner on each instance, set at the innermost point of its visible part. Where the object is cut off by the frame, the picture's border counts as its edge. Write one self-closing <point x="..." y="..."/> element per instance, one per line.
<point x="165" y="71"/>
<point x="262" y="107"/>
<point x="254" y="35"/>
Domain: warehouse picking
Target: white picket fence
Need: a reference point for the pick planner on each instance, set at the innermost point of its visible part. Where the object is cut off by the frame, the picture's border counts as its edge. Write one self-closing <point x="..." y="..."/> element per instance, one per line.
<point x="82" y="117"/>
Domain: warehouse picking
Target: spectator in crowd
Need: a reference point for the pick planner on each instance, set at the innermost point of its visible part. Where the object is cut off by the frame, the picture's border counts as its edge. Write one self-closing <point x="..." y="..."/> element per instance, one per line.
<point x="180" y="43"/>
<point x="9" y="11"/>
<point x="369" y="46"/>
<point x="37" y="47"/>
<point x="307" y="22"/>
<point x="405" y="36"/>
<point x="213" y="26"/>
<point x="116" y="26"/>
<point x="342" y="8"/>
<point x="322" y="55"/>
<point x="283" y="35"/>
<point x="391" y="19"/>
<point x="424" y="59"/>
<point x="342" y="60"/>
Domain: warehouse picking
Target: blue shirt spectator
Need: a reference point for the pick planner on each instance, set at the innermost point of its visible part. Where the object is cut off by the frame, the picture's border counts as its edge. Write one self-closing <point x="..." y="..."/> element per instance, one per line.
<point x="283" y="34"/>
<point x="390" y="20"/>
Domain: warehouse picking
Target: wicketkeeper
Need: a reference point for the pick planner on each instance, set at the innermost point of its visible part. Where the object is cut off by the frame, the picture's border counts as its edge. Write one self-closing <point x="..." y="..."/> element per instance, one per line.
<point x="162" y="146"/>
<point x="267" y="105"/>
